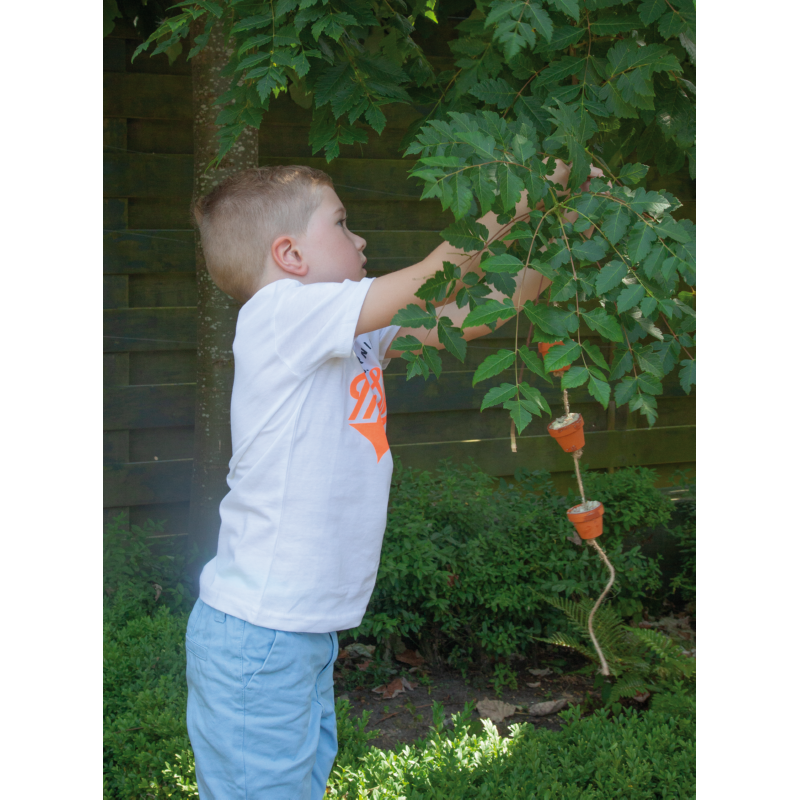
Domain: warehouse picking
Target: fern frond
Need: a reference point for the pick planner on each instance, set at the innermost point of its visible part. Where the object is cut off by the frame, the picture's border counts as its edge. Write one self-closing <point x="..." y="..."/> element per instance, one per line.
<point x="629" y="686"/>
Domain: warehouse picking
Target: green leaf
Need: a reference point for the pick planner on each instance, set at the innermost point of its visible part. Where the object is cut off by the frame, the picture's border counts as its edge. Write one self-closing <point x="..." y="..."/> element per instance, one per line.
<point x="534" y="363"/>
<point x="671" y="229"/>
<point x="541" y="20"/>
<point x="549" y="319"/>
<point x="498" y="394"/>
<point x="649" y="384"/>
<point x="493" y="365"/>
<point x="502" y="263"/>
<point x="519" y="413"/>
<point x="561" y="355"/>
<point x="494" y="92"/>
<point x="654" y="260"/>
<point x="640" y="241"/>
<point x="435" y="288"/>
<point x="451" y="338"/>
<point x="487" y="313"/>
<point x="467" y="233"/>
<point x="569" y="7"/>
<point x="610" y="276"/>
<point x="633" y="173"/>
<point x="534" y="396"/>
<point x="509" y="185"/>
<point x="624" y="390"/>
<point x="416" y="366"/>
<point x="412" y="316"/>
<point x="616" y="223"/>
<point x="648" y="305"/>
<point x="432" y="359"/>
<point x="688" y="375"/>
<point x="630" y="296"/>
<point x="594" y="353"/>
<point x="622" y="365"/>
<point x="651" y="10"/>
<point x="608" y="327"/>
<point x="590" y="250"/>
<point x="600" y="390"/>
<point x="406" y="343"/>
<point x="574" y="376"/>
<point x="650" y="362"/>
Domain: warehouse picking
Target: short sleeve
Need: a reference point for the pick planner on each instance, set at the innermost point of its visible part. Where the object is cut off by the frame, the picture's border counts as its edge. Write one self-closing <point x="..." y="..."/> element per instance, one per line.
<point x="382" y="339"/>
<point x="316" y="322"/>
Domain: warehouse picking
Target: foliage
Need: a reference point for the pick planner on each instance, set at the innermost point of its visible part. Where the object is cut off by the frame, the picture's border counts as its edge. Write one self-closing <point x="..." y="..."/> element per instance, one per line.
<point x="463" y="559"/>
<point x="640" y="660"/>
<point x="611" y="754"/>
<point x="145" y="610"/>
<point x="685" y="531"/>
<point x="630" y="499"/>
<point x="589" y="81"/>
<point x="347" y="57"/>
<point x="146" y="749"/>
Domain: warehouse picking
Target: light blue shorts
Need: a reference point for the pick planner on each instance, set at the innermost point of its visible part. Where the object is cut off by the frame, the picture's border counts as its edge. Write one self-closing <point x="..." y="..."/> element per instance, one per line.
<point x="260" y="713"/>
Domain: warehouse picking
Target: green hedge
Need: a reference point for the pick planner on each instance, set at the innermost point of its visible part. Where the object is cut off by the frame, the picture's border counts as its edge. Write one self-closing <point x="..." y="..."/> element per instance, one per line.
<point x="463" y="558"/>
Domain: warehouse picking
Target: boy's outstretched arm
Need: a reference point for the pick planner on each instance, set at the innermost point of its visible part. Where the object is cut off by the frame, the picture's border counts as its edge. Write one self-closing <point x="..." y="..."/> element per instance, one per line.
<point x="389" y="293"/>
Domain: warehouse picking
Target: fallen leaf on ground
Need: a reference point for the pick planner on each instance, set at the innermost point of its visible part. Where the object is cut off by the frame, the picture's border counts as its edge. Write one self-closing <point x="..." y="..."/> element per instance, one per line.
<point x="390" y="690"/>
<point x="411" y="657"/>
<point x="496" y="710"/>
<point x="343" y="654"/>
<point x="408" y="685"/>
<point x="363" y="650"/>
<point x="158" y="590"/>
<point x="546" y="708"/>
<point x="575" y="539"/>
<point x="640" y="697"/>
<point x="534" y="685"/>
<point x="364" y="665"/>
<point x="540" y="673"/>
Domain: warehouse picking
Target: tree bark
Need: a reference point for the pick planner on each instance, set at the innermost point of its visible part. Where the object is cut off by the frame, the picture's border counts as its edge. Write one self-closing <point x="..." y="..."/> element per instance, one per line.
<point x="216" y="312"/>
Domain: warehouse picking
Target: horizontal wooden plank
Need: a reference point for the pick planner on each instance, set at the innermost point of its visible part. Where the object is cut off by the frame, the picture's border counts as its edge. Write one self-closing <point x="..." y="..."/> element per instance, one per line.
<point x="149" y="329"/>
<point x="165" y="366"/>
<point x="158" y="406"/>
<point x="143" y="483"/>
<point x="160" y="290"/>
<point x="147" y="482"/>
<point x="173" y="136"/>
<point x="603" y="449"/>
<point x="161" y="444"/>
<point x="165" y="406"/>
<point x="150" y="175"/>
<point x="157" y="175"/>
<point x="128" y="94"/>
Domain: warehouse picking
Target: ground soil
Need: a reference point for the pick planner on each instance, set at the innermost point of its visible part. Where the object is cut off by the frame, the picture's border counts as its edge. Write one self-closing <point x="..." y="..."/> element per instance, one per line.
<point x="408" y="716"/>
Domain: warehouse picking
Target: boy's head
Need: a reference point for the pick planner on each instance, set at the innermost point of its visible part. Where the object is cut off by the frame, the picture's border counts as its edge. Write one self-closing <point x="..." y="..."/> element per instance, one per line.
<point x="271" y="222"/>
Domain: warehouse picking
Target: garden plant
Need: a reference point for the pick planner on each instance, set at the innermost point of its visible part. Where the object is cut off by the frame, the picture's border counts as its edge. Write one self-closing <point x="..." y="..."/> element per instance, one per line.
<point x="603" y="83"/>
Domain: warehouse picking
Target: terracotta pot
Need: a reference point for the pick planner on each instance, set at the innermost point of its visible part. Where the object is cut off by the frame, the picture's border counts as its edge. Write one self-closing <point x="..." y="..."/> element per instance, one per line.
<point x="589" y="524"/>
<point x="570" y="437"/>
<point x="543" y="348"/>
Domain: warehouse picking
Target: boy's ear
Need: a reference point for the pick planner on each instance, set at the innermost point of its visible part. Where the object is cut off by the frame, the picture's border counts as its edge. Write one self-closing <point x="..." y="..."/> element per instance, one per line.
<point x="286" y="254"/>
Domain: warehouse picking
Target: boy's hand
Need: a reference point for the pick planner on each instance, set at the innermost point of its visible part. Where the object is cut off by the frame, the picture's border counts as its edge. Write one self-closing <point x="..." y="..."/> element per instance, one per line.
<point x="389" y="293"/>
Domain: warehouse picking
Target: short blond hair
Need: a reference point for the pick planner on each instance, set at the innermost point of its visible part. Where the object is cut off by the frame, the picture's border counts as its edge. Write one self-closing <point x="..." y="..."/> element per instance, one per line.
<point x="240" y="218"/>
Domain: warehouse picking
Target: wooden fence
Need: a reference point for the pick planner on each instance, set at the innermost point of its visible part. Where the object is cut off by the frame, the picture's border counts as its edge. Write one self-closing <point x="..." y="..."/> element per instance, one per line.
<point x="150" y="306"/>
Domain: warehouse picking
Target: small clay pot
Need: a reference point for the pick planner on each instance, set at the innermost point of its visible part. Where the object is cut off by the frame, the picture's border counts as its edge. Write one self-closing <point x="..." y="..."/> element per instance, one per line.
<point x="570" y="437"/>
<point x="589" y="524"/>
<point x="543" y="347"/>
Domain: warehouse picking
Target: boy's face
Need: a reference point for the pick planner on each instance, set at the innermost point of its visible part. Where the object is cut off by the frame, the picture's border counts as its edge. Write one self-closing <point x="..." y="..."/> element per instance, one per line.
<point x="332" y="252"/>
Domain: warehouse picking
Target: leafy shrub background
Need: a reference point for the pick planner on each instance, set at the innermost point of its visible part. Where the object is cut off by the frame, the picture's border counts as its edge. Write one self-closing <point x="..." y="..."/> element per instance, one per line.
<point x="463" y="559"/>
<point x="612" y="754"/>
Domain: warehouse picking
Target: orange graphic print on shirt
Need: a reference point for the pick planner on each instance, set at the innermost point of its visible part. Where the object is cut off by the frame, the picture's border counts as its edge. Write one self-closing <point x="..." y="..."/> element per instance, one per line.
<point x="369" y="414"/>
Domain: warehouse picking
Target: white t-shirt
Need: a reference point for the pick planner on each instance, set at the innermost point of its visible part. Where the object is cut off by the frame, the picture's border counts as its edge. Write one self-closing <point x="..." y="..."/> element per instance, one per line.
<point x="303" y="523"/>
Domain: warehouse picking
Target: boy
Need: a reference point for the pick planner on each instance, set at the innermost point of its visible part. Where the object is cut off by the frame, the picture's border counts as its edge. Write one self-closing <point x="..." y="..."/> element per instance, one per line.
<point x="302" y="526"/>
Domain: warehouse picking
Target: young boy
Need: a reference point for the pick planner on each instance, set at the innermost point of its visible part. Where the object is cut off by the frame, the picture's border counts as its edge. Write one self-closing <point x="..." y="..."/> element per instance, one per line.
<point x="309" y="478"/>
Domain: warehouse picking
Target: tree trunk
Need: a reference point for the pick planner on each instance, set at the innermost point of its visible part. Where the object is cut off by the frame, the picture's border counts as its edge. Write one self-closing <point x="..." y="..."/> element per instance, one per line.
<point x="216" y="312"/>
